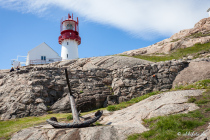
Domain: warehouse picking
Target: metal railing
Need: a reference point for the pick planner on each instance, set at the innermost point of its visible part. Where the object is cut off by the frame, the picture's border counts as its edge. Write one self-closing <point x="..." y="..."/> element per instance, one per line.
<point x="39" y="61"/>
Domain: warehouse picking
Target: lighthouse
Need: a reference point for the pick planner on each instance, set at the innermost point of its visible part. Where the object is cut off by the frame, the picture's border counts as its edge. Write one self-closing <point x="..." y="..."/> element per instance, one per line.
<point x="69" y="38"/>
<point x="208" y="11"/>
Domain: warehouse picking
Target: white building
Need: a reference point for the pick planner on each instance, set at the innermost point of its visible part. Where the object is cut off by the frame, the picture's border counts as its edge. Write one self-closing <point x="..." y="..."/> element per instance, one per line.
<point x="69" y="39"/>
<point x="42" y="54"/>
<point x="208" y="11"/>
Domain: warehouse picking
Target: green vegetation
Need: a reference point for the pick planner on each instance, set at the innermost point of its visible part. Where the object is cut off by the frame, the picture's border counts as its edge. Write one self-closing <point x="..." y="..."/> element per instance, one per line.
<point x="70" y="117"/>
<point x="97" y="123"/>
<point x="174" y="40"/>
<point x="49" y="112"/>
<point x="11" y="126"/>
<point x="199" y="34"/>
<point x="179" y="53"/>
<point x="109" y="86"/>
<point x="202" y="101"/>
<point x="169" y="127"/>
<point x="208" y="109"/>
<point x="203" y="84"/>
<point x="191" y="100"/>
<point x="81" y="91"/>
<point x="131" y="102"/>
<point x="189" y="121"/>
<point x="133" y="137"/>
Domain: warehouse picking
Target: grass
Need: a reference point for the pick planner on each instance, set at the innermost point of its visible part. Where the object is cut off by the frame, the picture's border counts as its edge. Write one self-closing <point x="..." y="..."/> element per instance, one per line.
<point x="70" y="117"/>
<point x="202" y="101"/>
<point x="49" y="112"/>
<point x="203" y="84"/>
<point x="168" y="127"/>
<point x="98" y="123"/>
<point x="131" y="102"/>
<point x="179" y="53"/>
<point x="175" y="40"/>
<point x="11" y="126"/>
<point x="191" y="100"/>
<point x="133" y="137"/>
<point x="208" y="109"/>
<point x="199" y="34"/>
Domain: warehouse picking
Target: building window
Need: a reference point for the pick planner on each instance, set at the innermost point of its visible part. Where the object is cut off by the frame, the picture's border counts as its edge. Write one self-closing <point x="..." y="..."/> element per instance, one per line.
<point x="43" y="57"/>
<point x="67" y="55"/>
<point x="67" y="43"/>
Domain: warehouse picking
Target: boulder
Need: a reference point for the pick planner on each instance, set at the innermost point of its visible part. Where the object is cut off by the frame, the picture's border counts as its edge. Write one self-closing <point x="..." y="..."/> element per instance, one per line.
<point x="194" y="72"/>
<point x="205" y="135"/>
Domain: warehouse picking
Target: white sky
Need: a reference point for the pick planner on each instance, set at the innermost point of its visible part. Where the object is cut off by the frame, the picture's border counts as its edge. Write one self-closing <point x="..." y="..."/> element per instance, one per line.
<point x="142" y="18"/>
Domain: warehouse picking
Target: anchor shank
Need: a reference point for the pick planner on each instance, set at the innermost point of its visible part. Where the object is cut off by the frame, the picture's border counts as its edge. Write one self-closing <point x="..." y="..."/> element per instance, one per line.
<point x="75" y="113"/>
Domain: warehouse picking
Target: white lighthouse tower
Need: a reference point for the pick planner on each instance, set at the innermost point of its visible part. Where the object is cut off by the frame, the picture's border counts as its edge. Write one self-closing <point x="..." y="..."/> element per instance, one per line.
<point x="208" y="11"/>
<point x="69" y="38"/>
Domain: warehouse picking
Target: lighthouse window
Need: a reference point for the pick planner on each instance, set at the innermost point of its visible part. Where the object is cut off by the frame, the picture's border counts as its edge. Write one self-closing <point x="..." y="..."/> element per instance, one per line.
<point x="69" y="27"/>
<point x="67" y="43"/>
<point x="67" y="55"/>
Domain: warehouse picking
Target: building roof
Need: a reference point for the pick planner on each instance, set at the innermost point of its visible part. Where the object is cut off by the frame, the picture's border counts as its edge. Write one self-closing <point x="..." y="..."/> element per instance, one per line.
<point x="45" y="45"/>
<point x="208" y="10"/>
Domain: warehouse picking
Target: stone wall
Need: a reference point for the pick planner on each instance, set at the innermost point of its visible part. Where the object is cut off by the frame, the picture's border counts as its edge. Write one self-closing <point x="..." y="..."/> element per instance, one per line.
<point x="142" y="79"/>
<point x="35" y="91"/>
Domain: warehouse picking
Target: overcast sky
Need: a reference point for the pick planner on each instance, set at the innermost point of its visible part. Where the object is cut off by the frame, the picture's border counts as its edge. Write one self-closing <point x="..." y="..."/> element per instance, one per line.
<point x="106" y="26"/>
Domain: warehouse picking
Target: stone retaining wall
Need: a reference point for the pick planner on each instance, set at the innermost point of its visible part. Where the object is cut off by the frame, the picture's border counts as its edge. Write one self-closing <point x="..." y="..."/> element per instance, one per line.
<point x="37" y="90"/>
<point x="142" y="79"/>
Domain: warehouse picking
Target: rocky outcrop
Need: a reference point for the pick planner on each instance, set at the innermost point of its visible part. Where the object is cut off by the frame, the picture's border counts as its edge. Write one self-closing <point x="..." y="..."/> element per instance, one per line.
<point x="142" y="79"/>
<point x="183" y="39"/>
<point x="157" y="105"/>
<point x="121" y="123"/>
<point x="105" y="62"/>
<point x="205" y="135"/>
<point x="196" y="71"/>
<point x="41" y="89"/>
<point x="91" y="133"/>
<point x="36" y="90"/>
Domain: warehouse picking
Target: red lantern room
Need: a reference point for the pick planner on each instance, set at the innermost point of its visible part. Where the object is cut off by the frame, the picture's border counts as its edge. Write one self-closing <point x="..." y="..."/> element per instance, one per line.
<point x="69" y="29"/>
